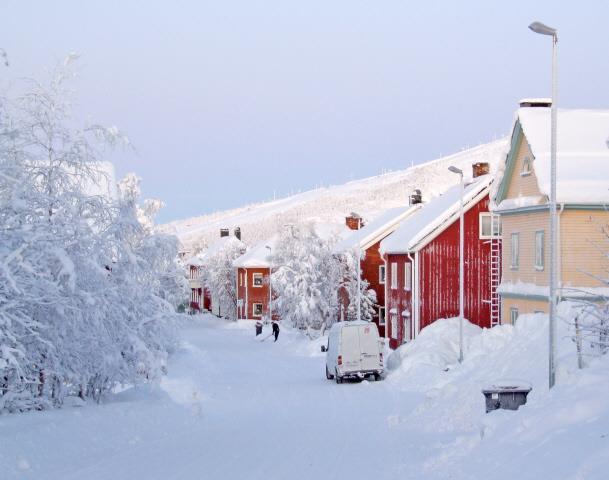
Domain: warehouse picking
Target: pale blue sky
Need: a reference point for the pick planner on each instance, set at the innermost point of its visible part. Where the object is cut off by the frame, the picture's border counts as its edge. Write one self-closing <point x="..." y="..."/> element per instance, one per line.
<point x="228" y="101"/>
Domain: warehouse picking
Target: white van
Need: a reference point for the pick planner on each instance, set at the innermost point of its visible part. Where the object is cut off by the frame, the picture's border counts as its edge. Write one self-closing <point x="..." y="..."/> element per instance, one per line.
<point x="353" y="350"/>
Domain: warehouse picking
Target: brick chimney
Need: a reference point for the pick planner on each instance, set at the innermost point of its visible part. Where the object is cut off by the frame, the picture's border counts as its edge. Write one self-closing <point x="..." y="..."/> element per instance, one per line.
<point x="224" y="232"/>
<point x="480" y="168"/>
<point x="238" y="233"/>
<point x="354" y="221"/>
<point x="415" y="197"/>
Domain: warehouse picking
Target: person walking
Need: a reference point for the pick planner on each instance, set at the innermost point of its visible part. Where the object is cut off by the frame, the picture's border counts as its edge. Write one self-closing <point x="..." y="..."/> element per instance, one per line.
<point x="275" y="330"/>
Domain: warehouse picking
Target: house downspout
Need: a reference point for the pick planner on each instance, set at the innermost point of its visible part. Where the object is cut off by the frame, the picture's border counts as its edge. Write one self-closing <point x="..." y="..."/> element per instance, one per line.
<point x="414" y="314"/>
<point x="386" y="302"/>
<point x="559" y="250"/>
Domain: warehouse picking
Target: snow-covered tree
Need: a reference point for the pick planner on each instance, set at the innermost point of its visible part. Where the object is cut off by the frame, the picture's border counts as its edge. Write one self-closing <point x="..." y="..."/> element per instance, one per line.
<point x="220" y="276"/>
<point x="84" y="284"/>
<point x="350" y="284"/>
<point x="306" y="279"/>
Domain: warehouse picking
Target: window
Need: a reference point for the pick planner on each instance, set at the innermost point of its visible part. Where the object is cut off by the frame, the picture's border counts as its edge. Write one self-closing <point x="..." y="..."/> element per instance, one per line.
<point x="257" y="310"/>
<point x="257" y="279"/>
<point x="394" y="275"/>
<point x="381" y="315"/>
<point x="394" y="326"/>
<point x="539" y="250"/>
<point x="407" y="276"/>
<point x="513" y="315"/>
<point x="490" y="225"/>
<point x="514" y="249"/>
<point x="526" y="167"/>
<point x="240" y="279"/>
<point x="382" y="274"/>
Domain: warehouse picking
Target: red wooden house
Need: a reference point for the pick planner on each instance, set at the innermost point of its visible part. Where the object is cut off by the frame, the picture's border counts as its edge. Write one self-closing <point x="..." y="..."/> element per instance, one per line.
<point x="253" y="287"/>
<point x="422" y="262"/>
<point x="366" y="241"/>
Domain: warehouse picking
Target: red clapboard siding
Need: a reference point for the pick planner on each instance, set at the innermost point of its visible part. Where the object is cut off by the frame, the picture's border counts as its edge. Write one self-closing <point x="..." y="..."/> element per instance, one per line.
<point x="439" y="272"/>
<point x="438" y="282"/>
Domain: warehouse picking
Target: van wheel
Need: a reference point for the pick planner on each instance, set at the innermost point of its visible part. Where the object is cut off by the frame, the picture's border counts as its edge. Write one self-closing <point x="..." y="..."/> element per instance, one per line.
<point x="338" y="378"/>
<point x="377" y="377"/>
<point x="328" y="375"/>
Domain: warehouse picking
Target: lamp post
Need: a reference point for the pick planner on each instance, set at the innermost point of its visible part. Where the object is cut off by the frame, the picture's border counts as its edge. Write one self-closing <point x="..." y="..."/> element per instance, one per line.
<point x="359" y="273"/>
<point x="459" y="172"/>
<point x="542" y="29"/>
<point x="270" y="285"/>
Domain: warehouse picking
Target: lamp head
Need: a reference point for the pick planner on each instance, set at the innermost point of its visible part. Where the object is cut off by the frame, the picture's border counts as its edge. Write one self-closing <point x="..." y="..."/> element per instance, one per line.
<point x="456" y="170"/>
<point x="543" y="29"/>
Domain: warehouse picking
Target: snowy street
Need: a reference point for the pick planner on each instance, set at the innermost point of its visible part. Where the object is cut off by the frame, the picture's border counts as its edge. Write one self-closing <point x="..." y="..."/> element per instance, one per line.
<point x="231" y="407"/>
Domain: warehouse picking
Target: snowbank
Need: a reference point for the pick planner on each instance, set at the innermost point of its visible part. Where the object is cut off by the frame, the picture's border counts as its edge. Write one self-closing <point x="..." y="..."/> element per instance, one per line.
<point x="549" y="424"/>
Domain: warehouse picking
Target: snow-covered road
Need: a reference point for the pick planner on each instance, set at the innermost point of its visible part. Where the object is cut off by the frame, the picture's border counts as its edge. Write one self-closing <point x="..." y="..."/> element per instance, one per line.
<point x="232" y="407"/>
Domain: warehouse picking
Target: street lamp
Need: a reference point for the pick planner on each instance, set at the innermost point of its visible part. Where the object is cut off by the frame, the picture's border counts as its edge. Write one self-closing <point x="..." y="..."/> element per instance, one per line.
<point x="270" y="285"/>
<point x="542" y="29"/>
<point x="459" y="172"/>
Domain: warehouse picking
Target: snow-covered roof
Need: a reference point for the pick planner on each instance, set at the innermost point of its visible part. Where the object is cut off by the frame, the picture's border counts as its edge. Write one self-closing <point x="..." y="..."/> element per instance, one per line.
<point x="381" y="226"/>
<point x="258" y="256"/>
<point x="194" y="261"/>
<point x="217" y="246"/>
<point x="582" y="152"/>
<point x="433" y="216"/>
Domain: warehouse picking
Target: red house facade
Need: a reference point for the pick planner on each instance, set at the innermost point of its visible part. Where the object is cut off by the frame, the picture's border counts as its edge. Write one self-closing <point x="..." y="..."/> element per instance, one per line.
<point x="253" y="285"/>
<point x="422" y="262"/>
<point x="366" y="242"/>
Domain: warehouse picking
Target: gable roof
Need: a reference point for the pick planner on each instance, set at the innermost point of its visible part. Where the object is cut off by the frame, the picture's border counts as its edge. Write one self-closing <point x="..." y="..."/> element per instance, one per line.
<point x="434" y="217"/>
<point x="582" y="153"/>
<point x="377" y="229"/>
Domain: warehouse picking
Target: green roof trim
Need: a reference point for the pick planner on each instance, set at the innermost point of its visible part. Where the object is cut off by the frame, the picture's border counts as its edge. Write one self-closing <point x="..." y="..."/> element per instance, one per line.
<point x="517" y="136"/>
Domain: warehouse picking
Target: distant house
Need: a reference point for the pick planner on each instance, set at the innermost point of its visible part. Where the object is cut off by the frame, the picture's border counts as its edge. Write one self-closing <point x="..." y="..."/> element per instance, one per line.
<point x="422" y="262"/>
<point x="365" y="240"/>
<point x="523" y="203"/>
<point x="253" y="287"/>
<point x="194" y="270"/>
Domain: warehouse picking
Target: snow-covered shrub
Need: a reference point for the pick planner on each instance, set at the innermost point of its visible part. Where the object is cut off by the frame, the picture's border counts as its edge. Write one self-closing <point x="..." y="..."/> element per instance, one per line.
<point x="86" y="288"/>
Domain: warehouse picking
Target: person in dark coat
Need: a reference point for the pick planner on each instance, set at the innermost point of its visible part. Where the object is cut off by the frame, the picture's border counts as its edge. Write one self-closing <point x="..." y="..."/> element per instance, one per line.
<point x="275" y="330"/>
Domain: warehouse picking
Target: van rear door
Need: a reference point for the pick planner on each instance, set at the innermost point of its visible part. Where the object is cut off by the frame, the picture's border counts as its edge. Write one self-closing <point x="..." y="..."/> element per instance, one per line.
<point x="369" y="346"/>
<point x="350" y="348"/>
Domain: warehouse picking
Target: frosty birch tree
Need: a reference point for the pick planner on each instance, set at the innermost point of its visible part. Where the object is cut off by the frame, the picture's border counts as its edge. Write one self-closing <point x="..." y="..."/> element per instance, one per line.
<point x="306" y="279"/>
<point x="80" y="276"/>
<point x="220" y="276"/>
<point x="367" y="295"/>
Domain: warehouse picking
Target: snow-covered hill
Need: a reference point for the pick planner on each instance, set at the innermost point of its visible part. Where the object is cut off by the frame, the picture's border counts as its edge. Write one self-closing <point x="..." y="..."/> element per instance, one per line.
<point x="368" y="197"/>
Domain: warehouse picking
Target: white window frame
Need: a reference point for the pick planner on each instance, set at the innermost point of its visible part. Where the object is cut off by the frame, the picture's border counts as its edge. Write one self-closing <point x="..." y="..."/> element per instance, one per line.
<point x="407" y="276"/>
<point x="257" y="275"/>
<point x="382" y="319"/>
<point x="254" y="309"/>
<point x="540" y="249"/>
<point x="490" y="216"/>
<point x="382" y="274"/>
<point x="526" y="167"/>
<point x="394" y="275"/>
<point x="513" y="315"/>
<point x="515" y="250"/>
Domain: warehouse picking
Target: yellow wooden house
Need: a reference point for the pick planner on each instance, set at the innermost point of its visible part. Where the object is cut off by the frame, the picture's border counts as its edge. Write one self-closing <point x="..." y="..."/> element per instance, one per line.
<point x="582" y="203"/>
